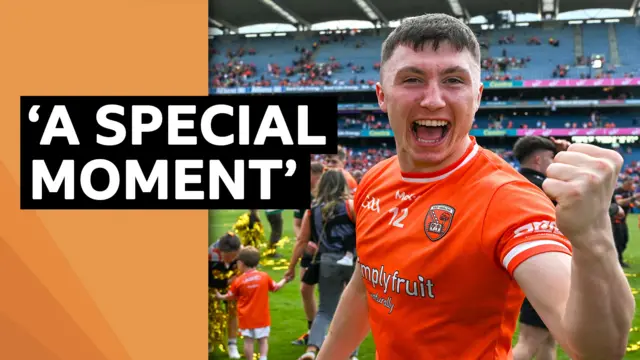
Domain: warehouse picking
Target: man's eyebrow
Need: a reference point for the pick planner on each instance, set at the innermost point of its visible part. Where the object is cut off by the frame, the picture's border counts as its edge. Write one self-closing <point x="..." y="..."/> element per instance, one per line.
<point x="454" y="69"/>
<point x="411" y="69"/>
<point x="447" y="71"/>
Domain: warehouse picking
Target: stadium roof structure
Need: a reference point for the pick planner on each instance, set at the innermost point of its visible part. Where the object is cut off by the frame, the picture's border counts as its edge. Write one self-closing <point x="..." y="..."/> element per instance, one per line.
<point x="234" y="14"/>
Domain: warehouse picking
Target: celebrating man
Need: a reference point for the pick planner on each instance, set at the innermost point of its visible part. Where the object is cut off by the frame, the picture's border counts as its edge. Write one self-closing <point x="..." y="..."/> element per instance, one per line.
<point x="444" y="268"/>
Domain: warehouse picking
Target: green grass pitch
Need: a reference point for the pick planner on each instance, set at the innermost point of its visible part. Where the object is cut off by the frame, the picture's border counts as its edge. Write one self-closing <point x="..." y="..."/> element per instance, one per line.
<point x="288" y="319"/>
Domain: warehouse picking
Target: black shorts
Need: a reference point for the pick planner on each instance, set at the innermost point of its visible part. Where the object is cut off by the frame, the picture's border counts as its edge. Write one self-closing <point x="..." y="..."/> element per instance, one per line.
<point x="312" y="275"/>
<point x="305" y="262"/>
<point x="529" y="316"/>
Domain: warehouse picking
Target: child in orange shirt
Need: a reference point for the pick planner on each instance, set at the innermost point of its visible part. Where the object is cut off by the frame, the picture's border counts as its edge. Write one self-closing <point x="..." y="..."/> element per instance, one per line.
<point x="251" y="290"/>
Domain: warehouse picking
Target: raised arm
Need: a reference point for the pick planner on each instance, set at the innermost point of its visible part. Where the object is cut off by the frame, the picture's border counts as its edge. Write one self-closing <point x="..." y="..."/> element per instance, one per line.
<point x="584" y="299"/>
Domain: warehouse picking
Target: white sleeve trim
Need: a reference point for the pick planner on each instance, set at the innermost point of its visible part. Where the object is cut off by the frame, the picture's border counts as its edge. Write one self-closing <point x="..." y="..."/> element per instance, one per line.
<point x="518" y="249"/>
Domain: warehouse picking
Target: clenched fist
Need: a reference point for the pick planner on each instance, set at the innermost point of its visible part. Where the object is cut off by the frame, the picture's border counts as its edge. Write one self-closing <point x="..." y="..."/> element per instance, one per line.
<point x="581" y="180"/>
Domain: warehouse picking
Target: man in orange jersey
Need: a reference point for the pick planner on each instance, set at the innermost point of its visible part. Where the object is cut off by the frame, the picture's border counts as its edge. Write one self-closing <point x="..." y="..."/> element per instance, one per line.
<point x="450" y="238"/>
<point x="336" y="161"/>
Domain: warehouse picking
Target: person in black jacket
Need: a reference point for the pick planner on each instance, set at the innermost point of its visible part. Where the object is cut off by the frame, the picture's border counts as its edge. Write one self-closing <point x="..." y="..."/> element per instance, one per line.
<point x="535" y="154"/>
<point x="625" y="197"/>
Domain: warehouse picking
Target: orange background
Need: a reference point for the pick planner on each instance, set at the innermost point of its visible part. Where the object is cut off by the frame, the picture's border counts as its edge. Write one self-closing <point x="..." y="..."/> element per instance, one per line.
<point x="96" y="285"/>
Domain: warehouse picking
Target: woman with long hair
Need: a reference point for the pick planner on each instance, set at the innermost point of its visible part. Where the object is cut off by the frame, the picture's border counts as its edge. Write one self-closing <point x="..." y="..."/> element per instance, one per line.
<point x="330" y="226"/>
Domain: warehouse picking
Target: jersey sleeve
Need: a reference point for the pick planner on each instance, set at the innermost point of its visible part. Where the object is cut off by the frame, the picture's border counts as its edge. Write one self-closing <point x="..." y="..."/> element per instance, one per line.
<point x="234" y="289"/>
<point x="520" y="222"/>
<point x="270" y="282"/>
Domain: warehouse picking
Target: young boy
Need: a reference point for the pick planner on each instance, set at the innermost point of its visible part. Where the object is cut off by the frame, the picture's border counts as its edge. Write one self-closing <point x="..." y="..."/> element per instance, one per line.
<point x="251" y="290"/>
<point x="222" y="259"/>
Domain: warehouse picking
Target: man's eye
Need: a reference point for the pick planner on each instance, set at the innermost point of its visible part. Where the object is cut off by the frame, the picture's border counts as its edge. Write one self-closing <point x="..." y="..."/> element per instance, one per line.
<point x="411" y="80"/>
<point x="454" y="80"/>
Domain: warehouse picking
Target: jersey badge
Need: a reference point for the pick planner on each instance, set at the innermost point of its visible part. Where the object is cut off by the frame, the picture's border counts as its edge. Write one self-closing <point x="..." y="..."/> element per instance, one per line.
<point x="438" y="221"/>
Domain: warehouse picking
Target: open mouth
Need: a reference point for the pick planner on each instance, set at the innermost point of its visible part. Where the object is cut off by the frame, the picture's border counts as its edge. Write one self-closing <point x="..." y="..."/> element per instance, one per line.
<point x="430" y="131"/>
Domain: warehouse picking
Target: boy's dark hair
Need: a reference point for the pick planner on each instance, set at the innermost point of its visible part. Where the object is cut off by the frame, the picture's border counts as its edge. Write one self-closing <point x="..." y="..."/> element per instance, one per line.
<point x="229" y="242"/>
<point x="317" y="167"/>
<point x="527" y="145"/>
<point x="250" y="256"/>
<point x="432" y="29"/>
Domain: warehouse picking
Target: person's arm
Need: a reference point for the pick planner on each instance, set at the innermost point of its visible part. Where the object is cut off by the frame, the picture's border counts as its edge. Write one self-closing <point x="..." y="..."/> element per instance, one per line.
<point x="297" y="225"/>
<point x="227" y="296"/>
<point x="585" y="301"/>
<point x="277" y="286"/>
<point x="626" y="201"/>
<point x="301" y="243"/>
<point x="350" y="324"/>
<point x="582" y="294"/>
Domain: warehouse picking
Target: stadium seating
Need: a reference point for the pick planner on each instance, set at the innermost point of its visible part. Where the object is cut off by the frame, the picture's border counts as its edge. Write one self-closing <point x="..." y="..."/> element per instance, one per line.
<point x="355" y="122"/>
<point x="628" y="39"/>
<point x="364" y="51"/>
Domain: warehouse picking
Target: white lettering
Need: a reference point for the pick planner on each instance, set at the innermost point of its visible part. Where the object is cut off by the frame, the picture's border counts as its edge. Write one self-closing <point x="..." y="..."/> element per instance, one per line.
<point x="303" y="129"/>
<point x="273" y="113"/>
<point x="112" y="173"/>
<point x="115" y="126"/>
<point x="182" y="179"/>
<point x="401" y="195"/>
<point x="421" y="288"/>
<point x="137" y="127"/>
<point x="40" y="174"/>
<point x="217" y="172"/>
<point x="544" y="226"/>
<point x="175" y="124"/>
<point x="59" y="113"/>
<point x="372" y="204"/>
<point x="159" y="174"/>
<point x="207" y="118"/>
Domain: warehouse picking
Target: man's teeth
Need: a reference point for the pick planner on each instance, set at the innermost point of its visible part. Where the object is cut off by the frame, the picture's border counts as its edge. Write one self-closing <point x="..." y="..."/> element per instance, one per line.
<point x="431" y="122"/>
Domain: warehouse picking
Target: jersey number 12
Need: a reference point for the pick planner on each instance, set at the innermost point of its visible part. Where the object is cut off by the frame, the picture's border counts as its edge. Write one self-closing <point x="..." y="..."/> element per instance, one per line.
<point x="398" y="221"/>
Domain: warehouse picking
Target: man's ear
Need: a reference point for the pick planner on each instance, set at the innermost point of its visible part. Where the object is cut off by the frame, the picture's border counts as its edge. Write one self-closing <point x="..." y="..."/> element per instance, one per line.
<point x="380" y="95"/>
<point x="479" y="99"/>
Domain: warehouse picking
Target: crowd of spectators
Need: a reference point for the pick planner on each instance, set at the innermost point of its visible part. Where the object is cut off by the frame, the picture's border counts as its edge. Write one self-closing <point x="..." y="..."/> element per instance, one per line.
<point x="500" y="121"/>
<point x="304" y="70"/>
<point x="362" y="159"/>
<point x="364" y="121"/>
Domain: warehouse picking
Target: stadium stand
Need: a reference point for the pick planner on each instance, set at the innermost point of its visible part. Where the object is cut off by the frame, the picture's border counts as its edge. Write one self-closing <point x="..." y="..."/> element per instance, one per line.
<point x="342" y="59"/>
<point x="534" y="52"/>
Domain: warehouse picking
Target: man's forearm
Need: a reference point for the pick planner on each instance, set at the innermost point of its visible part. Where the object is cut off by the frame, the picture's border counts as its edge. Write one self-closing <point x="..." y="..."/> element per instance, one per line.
<point x="600" y="306"/>
<point x="625" y="202"/>
<point x="298" y="251"/>
<point x="350" y="325"/>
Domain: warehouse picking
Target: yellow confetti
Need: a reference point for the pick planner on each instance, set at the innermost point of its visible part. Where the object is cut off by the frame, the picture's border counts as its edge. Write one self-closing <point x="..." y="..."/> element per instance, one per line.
<point x="633" y="347"/>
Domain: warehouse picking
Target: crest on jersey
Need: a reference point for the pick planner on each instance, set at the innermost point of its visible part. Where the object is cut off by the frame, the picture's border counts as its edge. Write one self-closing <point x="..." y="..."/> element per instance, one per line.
<point x="438" y="220"/>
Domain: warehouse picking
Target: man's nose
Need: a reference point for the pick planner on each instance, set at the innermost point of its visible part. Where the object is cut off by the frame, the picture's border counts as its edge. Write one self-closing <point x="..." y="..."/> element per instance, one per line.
<point x="432" y="97"/>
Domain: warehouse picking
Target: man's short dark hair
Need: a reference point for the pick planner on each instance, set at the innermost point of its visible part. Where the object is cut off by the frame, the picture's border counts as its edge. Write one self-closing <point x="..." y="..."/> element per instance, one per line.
<point x="433" y="29"/>
<point x="229" y="242"/>
<point x="250" y="256"/>
<point x="527" y="145"/>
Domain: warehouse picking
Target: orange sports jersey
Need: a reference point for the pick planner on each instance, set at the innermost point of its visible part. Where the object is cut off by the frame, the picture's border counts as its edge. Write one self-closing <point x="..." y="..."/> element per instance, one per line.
<point x="437" y="253"/>
<point x="251" y="290"/>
